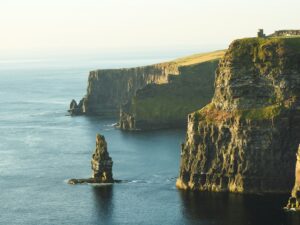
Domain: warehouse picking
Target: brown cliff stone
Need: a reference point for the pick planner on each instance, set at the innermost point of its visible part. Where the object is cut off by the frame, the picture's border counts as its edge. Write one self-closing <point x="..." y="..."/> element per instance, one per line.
<point x="245" y="139"/>
<point x="102" y="162"/>
<point x="294" y="200"/>
<point x="101" y="165"/>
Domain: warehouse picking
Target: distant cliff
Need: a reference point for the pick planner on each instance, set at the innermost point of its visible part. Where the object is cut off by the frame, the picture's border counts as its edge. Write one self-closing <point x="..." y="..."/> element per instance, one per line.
<point x="167" y="105"/>
<point x="245" y="140"/>
<point x="109" y="89"/>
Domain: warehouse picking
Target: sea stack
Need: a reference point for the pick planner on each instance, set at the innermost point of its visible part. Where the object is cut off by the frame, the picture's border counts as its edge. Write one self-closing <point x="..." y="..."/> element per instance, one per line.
<point x="101" y="165"/>
<point x="294" y="200"/>
<point x="102" y="162"/>
<point x="77" y="109"/>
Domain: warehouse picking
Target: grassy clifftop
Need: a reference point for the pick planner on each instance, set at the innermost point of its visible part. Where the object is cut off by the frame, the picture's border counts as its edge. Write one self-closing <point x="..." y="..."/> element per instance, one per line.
<point x="200" y="58"/>
<point x="266" y="53"/>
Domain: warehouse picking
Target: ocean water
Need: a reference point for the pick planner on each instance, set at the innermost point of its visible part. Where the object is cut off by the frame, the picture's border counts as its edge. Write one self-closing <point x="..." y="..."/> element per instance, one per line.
<point x="41" y="148"/>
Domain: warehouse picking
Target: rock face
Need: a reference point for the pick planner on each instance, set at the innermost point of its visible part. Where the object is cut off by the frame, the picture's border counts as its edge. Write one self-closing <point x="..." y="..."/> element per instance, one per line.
<point x="102" y="162"/>
<point x="158" y="106"/>
<point x="245" y="139"/>
<point x="294" y="200"/>
<point x="101" y="165"/>
<point x="77" y="109"/>
<point x="109" y="89"/>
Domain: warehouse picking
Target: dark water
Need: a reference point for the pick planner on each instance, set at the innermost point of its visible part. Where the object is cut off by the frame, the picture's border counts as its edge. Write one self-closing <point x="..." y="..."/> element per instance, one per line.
<point x="40" y="148"/>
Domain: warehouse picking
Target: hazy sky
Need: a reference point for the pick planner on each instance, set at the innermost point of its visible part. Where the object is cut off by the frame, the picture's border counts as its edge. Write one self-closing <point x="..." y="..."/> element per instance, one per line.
<point x="46" y="27"/>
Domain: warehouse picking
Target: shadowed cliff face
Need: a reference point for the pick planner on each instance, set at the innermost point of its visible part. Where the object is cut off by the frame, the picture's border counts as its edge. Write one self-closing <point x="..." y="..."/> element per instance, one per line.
<point x="246" y="138"/>
<point x="167" y="105"/>
<point x="109" y="89"/>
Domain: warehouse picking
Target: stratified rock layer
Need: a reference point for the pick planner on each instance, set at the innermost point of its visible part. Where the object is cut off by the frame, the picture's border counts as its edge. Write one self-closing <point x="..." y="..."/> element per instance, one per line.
<point x="102" y="162"/>
<point x="101" y="165"/>
<point x="245" y="139"/>
<point x="294" y="200"/>
<point x="158" y="106"/>
<point x="109" y="89"/>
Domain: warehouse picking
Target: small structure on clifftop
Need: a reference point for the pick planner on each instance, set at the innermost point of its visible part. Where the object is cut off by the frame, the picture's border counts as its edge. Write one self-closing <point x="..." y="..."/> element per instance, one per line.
<point x="260" y="33"/>
<point x="294" y="200"/>
<point x="101" y="165"/>
<point x="278" y="33"/>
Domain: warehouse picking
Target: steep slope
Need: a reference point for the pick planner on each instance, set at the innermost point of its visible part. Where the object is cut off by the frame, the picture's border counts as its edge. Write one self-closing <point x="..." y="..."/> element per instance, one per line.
<point x="245" y="140"/>
<point x="109" y="89"/>
<point x="167" y="105"/>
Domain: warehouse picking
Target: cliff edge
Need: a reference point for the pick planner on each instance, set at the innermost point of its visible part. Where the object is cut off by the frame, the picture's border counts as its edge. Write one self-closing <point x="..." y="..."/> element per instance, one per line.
<point x="109" y="89"/>
<point x="158" y="106"/>
<point x="245" y="139"/>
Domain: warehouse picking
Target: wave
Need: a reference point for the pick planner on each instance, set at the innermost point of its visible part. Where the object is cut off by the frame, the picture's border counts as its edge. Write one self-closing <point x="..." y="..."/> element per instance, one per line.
<point x="111" y="125"/>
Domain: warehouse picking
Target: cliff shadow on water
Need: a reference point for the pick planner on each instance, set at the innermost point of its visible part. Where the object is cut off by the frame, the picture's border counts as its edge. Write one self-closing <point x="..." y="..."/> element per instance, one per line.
<point x="236" y="209"/>
<point x="103" y="202"/>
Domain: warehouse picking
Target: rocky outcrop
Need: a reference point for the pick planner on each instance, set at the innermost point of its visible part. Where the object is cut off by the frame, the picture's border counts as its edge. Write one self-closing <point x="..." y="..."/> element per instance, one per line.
<point x="77" y="109"/>
<point x="158" y="106"/>
<point x="245" y="139"/>
<point x="294" y="200"/>
<point x="109" y="89"/>
<point x="101" y="164"/>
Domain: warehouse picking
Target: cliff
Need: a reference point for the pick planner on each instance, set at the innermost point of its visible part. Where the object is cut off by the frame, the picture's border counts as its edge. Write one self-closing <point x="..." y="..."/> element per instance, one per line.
<point x="101" y="165"/>
<point x="109" y="89"/>
<point x="280" y="33"/>
<point x="167" y="105"/>
<point x="246" y="138"/>
<point x="294" y="200"/>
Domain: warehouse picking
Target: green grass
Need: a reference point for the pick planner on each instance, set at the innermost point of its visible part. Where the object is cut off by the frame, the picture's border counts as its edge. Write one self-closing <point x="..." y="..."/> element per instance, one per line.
<point x="200" y="58"/>
<point x="191" y="90"/>
<point x="264" y="49"/>
<point x="211" y="115"/>
<point x="166" y="108"/>
<point x="265" y="113"/>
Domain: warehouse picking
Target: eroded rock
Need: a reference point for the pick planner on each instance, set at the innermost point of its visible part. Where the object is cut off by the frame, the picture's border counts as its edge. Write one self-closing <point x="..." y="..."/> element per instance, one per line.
<point x="101" y="165"/>
<point x="102" y="162"/>
<point x="77" y="109"/>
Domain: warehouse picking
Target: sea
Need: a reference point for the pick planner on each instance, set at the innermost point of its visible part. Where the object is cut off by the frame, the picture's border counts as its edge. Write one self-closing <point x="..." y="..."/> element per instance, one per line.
<point x="41" y="147"/>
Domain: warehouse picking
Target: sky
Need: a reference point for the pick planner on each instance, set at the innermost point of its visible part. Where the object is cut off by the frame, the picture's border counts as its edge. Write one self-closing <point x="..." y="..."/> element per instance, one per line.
<point x="54" y="28"/>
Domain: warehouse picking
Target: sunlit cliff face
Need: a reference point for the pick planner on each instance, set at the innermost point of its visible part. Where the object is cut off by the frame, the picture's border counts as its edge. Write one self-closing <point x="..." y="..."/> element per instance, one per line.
<point x="298" y="168"/>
